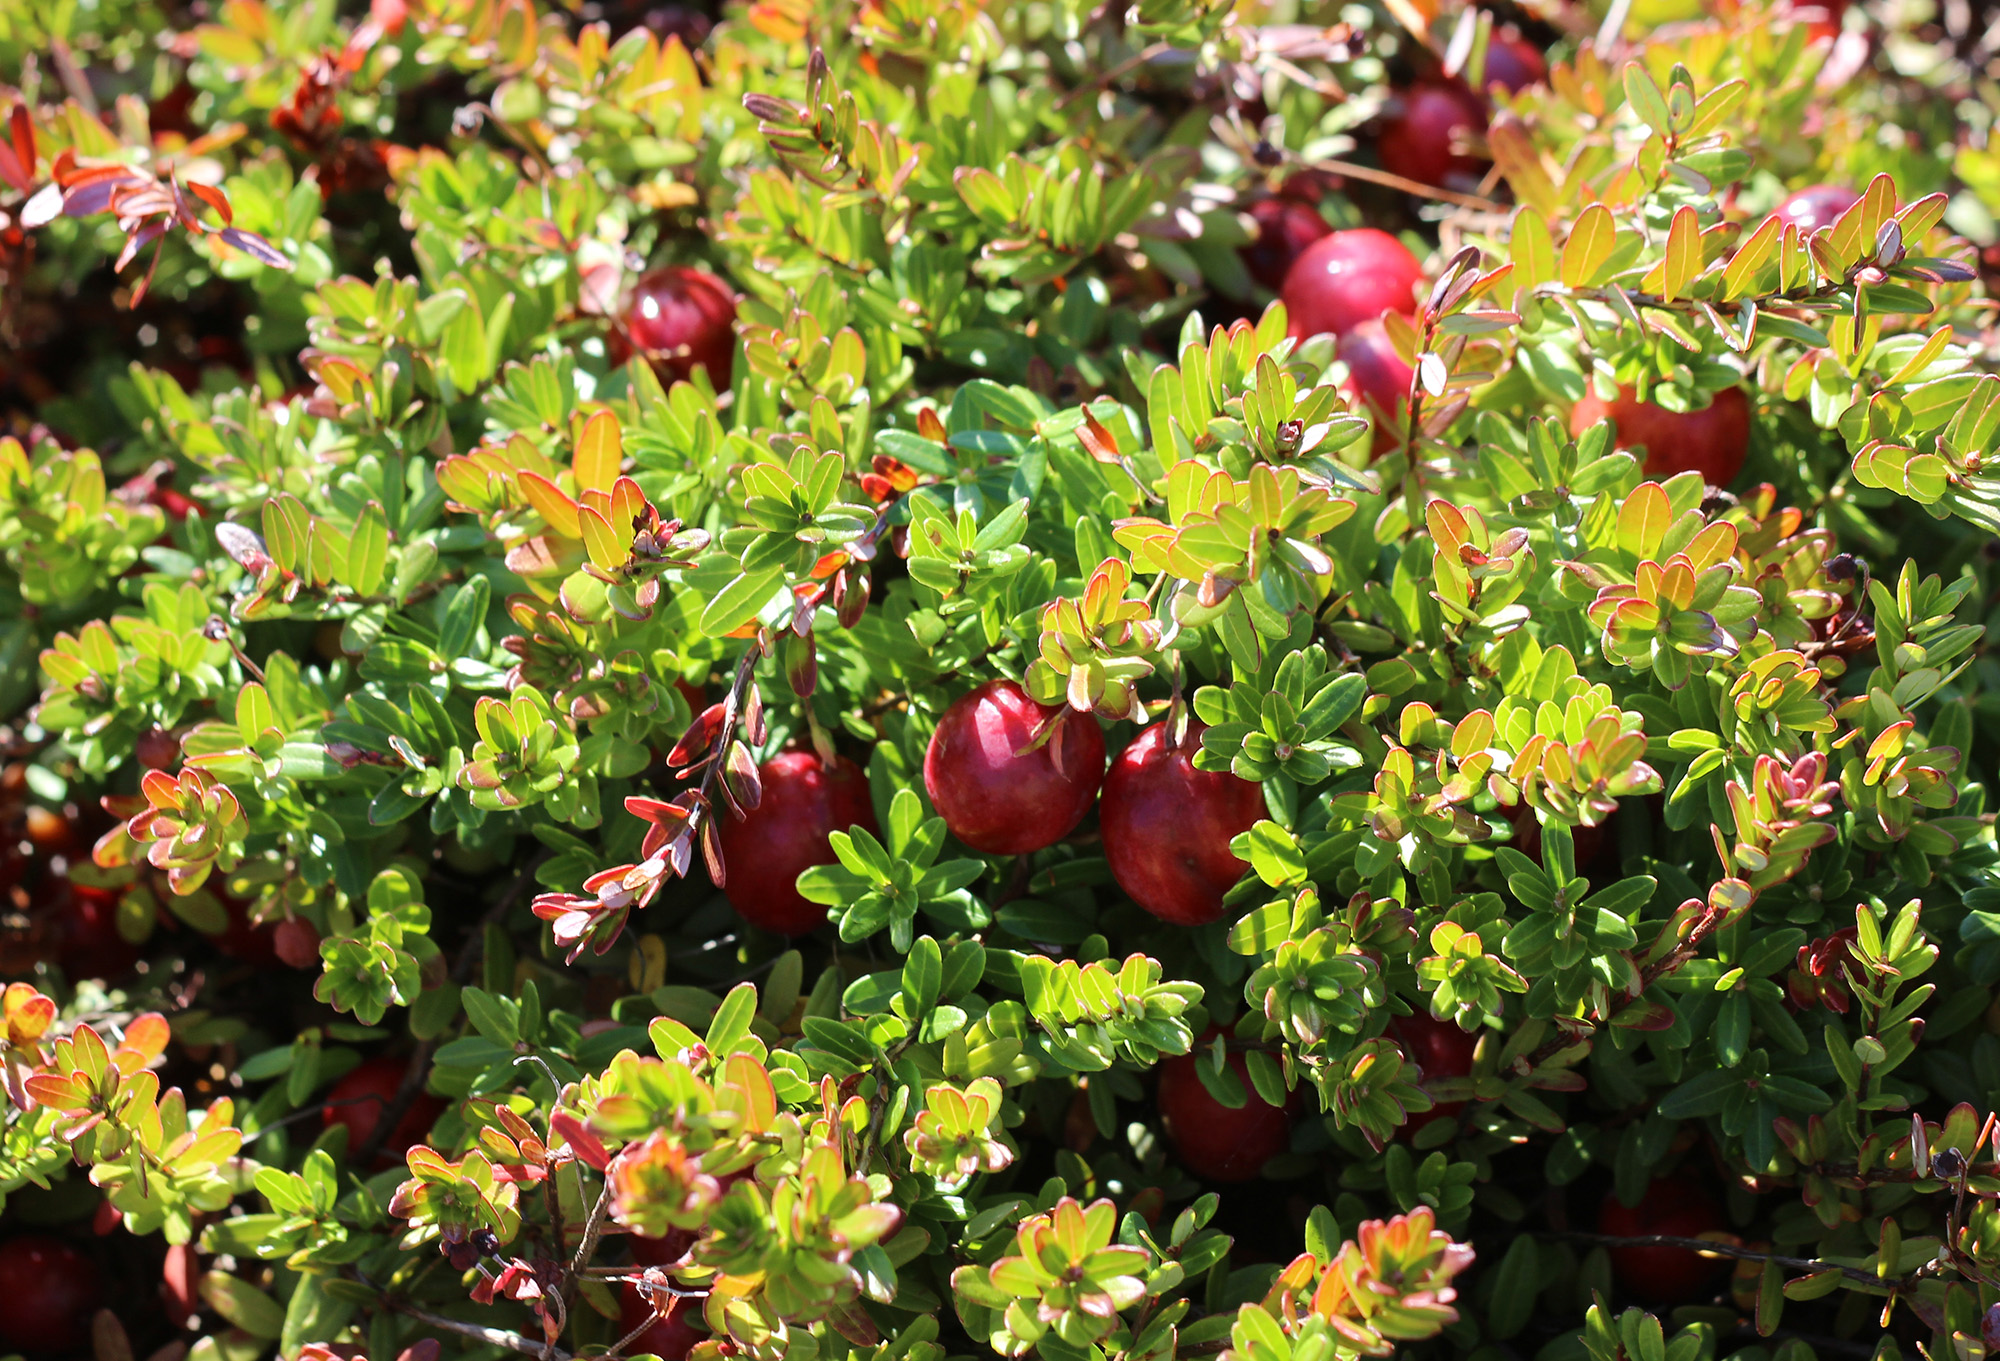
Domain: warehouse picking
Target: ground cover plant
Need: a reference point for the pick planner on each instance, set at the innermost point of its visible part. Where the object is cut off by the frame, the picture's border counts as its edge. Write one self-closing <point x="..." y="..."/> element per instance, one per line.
<point x="924" y="678"/>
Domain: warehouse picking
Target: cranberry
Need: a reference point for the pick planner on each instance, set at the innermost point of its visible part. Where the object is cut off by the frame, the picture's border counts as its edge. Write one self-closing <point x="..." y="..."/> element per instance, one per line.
<point x="1440" y="1050"/>
<point x="1350" y="277"/>
<point x="1816" y="207"/>
<point x="245" y="940"/>
<point x="1167" y="827"/>
<point x="1674" y="1207"/>
<point x="1209" y="1138"/>
<point x="157" y="749"/>
<point x="670" y="1338"/>
<point x="1512" y="62"/>
<point x="51" y="1290"/>
<point x="1712" y="441"/>
<point x="1416" y="142"/>
<point x="358" y="1100"/>
<point x="804" y="802"/>
<point x="88" y="931"/>
<point x="296" y="942"/>
<point x="1378" y="378"/>
<point x="1285" y="227"/>
<point x="994" y="794"/>
<point x="684" y="318"/>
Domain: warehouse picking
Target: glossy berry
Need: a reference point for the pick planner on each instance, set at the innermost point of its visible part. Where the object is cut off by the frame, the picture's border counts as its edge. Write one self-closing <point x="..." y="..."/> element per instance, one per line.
<point x="804" y="802"/>
<point x="1815" y="207"/>
<point x="1416" y="141"/>
<point x="1712" y="441"/>
<point x="1512" y="62"/>
<point x="1675" y="1207"/>
<point x="670" y="1338"/>
<point x="50" y="1290"/>
<point x="1211" y="1140"/>
<point x="994" y="793"/>
<point x="1350" y="277"/>
<point x="1440" y="1050"/>
<point x="358" y="1100"/>
<point x="1285" y="227"/>
<point x="1167" y="827"/>
<point x="684" y="319"/>
<point x="1377" y="379"/>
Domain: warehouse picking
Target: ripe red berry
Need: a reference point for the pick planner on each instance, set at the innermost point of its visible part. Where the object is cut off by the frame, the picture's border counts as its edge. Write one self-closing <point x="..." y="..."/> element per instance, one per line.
<point x="1712" y="441"/>
<point x="1378" y="378"/>
<point x="1416" y="142"/>
<point x="1350" y="277"/>
<point x="670" y="1338"/>
<point x="245" y="940"/>
<point x="1512" y="62"/>
<point x="1675" y="1207"/>
<point x="90" y="946"/>
<point x="996" y="795"/>
<point x="1167" y="827"/>
<point x="358" y="1100"/>
<point x="51" y="1290"/>
<point x="804" y="802"/>
<point x="1440" y="1050"/>
<point x="1815" y="207"/>
<point x="157" y="749"/>
<point x="296" y="942"/>
<point x="1285" y="227"/>
<point x="684" y="318"/>
<point x="1209" y="1138"/>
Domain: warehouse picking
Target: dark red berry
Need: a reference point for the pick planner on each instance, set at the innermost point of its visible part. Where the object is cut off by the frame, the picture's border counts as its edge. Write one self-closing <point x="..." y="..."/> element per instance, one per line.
<point x="804" y="802"/>
<point x="1167" y="827"/>
<point x="1350" y="277"/>
<point x="358" y="1100"/>
<point x="683" y="319"/>
<point x="50" y="1290"/>
<point x="998" y="793"/>
<point x="1712" y="441"/>
<point x="1285" y="227"/>
<point x="1210" y="1139"/>
<point x="1673" y="1207"/>
<point x="1416" y="142"/>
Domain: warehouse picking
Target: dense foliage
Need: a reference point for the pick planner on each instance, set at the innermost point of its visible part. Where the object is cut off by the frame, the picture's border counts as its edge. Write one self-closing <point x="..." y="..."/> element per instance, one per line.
<point x="914" y="678"/>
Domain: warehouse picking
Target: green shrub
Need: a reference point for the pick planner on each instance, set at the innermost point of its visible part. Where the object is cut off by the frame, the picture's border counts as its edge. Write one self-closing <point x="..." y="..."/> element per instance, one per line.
<point x="622" y="562"/>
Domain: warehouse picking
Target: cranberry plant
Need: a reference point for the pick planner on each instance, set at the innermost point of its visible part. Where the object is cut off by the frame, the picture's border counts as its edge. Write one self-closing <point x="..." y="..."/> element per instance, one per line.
<point x="929" y="678"/>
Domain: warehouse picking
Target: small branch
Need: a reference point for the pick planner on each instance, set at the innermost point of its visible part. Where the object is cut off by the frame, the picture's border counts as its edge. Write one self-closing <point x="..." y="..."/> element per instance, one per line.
<point x="1369" y="174"/>
<point x="492" y="1337"/>
<point x="593" y="1228"/>
<point x="1662" y="1240"/>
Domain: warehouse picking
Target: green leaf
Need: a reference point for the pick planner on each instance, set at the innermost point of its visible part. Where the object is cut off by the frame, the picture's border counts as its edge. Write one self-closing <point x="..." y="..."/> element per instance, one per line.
<point x="368" y="550"/>
<point x="244" y="1305"/>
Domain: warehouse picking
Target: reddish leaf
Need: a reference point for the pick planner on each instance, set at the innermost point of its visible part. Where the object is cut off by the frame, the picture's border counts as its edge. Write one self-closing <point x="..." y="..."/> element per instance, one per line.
<point x="700" y="735"/>
<point x="22" y="128"/>
<point x="214" y="198"/>
<point x="256" y="247"/>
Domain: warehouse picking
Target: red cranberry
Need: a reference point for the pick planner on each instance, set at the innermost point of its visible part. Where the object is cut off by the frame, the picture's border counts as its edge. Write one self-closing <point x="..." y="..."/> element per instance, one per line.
<point x="994" y="794"/>
<point x="88" y="931"/>
<point x="1816" y="207"/>
<point x="1512" y="62"/>
<point x="1417" y="142"/>
<point x="685" y="319"/>
<point x="1209" y="1138"/>
<point x="1350" y="277"/>
<point x="1440" y="1050"/>
<point x="1673" y="1207"/>
<point x="804" y="802"/>
<point x="157" y="749"/>
<point x="51" y="1290"/>
<point x="358" y="1100"/>
<point x="1167" y="827"/>
<point x="1378" y="378"/>
<point x="1285" y="227"/>
<point x="1712" y="441"/>
<point x="296" y="942"/>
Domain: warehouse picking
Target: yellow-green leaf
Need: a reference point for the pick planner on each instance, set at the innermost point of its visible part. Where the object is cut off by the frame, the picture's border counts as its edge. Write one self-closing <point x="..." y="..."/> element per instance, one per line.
<point x="1590" y="244"/>
<point x="600" y="451"/>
